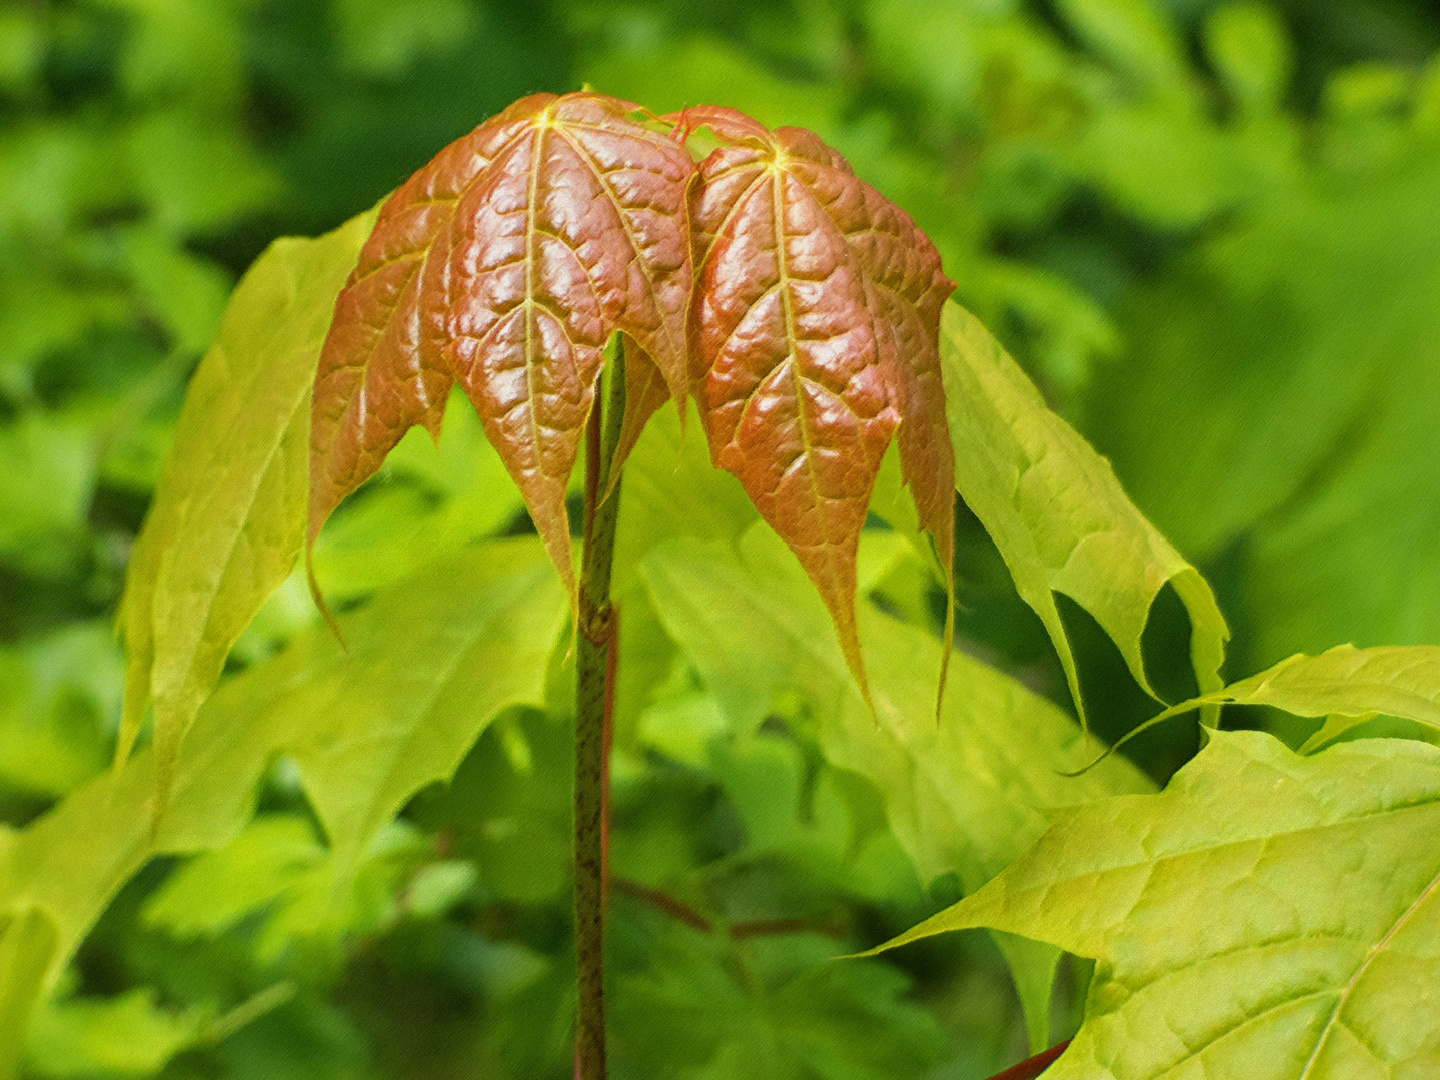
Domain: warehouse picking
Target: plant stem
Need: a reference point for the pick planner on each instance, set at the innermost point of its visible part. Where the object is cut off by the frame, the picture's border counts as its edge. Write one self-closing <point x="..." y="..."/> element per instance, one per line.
<point x="596" y="644"/>
<point x="1030" y="1068"/>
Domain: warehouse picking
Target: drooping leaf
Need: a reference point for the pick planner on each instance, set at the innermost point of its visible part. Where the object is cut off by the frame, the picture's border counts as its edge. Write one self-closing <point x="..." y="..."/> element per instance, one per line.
<point x="964" y="796"/>
<point x="506" y="264"/>
<point x="1267" y="915"/>
<point x="816" y="311"/>
<point x="431" y="663"/>
<point x="1058" y="515"/>
<point x="1289" y="370"/>
<point x="228" y="517"/>
<point x="1346" y="685"/>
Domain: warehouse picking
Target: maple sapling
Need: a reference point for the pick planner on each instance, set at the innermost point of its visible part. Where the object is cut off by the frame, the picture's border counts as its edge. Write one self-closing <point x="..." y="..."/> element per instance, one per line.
<point x="798" y="306"/>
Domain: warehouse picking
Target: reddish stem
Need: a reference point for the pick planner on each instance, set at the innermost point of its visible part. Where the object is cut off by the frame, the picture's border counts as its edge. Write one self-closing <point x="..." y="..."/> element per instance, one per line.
<point x="1032" y="1067"/>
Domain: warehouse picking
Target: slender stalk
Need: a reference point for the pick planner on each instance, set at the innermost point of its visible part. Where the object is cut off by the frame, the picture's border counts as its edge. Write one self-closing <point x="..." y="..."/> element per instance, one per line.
<point x="594" y="690"/>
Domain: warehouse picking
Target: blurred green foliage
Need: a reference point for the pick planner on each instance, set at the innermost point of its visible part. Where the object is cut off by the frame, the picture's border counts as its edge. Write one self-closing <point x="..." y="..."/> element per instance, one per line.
<point x="1210" y="231"/>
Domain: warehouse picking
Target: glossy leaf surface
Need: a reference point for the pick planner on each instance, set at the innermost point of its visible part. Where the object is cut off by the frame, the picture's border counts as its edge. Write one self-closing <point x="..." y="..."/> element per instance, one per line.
<point x="1057" y="513"/>
<point x="816" y="311"/>
<point x="506" y="264"/>
<point x="1267" y="915"/>
<point x="228" y="517"/>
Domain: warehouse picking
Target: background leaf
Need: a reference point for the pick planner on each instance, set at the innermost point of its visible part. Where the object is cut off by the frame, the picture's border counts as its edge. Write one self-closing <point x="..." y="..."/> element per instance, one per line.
<point x="964" y="796"/>
<point x="1288" y="368"/>
<point x="433" y="662"/>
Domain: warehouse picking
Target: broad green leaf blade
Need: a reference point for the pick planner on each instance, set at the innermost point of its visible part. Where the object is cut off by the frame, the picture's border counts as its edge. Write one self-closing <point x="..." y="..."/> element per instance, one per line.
<point x="229" y="514"/>
<point x="670" y="490"/>
<point x="1058" y="515"/>
<point x="1267" y="915"/>
<point x="432" y="662"/>
<point x="966" y="795"/>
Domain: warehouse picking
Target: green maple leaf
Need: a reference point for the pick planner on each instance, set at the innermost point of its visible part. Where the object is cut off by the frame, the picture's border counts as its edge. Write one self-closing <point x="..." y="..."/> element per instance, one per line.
<point x="1267" y="916"/>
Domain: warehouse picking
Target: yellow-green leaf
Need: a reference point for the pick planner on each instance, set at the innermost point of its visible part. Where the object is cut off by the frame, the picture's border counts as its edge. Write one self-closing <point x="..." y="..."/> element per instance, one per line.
<point x="27" y="948"/>
<point x="1267" y="916"/>
<point x="963" y="796"/>
<point x="229" y="513"/>
<point x="432" y="661"/>
<point x="1058" y="514"/>
<point x="1346" y="685"/>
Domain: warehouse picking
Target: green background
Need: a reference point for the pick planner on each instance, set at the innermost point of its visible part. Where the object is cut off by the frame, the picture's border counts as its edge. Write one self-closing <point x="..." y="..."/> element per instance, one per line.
<point x="1210" y="232"/>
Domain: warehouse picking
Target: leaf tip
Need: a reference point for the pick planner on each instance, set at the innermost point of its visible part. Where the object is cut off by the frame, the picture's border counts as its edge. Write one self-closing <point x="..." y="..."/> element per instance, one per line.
<point x="319" y="597"/>
<point x="947" y="644"/>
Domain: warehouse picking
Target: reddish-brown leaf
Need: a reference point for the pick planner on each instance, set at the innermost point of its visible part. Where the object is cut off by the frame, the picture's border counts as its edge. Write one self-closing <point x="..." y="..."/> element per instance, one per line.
<point x="815" y="324"/>
<point x="505" y="264"/>
<point x="381" y="369"/>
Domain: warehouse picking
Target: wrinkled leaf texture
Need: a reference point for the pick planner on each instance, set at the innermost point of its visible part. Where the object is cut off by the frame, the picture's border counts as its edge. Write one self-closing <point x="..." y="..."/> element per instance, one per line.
<point x="815" y="325"/>
<point x="1267" y="915"/>
<point x="506" y="263"/>
<point x="798" y="304"/>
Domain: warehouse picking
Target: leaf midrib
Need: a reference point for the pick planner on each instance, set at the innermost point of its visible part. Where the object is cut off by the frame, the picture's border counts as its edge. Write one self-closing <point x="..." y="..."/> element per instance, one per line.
<point x="1376" y="950"/>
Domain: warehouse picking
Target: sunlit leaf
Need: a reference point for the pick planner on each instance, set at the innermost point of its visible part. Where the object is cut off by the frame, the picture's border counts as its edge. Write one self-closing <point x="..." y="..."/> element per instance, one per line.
<point x="1346" y="685"/>
<point x="506" y="264"/>
<point x="27" y="952"/>
<point x="228" y="517"/>
<point x="1267" y="915"/>
<point x="1061" y="520"/>
<point x="816" y="312"/>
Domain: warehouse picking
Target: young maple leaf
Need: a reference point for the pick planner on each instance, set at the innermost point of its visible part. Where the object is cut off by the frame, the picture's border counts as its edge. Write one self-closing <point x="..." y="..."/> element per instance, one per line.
<point x="814" y="330"/>
<point x="506" y="263"/>
<point x="796" y="303"/>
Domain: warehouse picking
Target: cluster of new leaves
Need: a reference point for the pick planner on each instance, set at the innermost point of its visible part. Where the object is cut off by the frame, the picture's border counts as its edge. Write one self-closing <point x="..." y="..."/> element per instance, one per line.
<point x="797" y="304"/>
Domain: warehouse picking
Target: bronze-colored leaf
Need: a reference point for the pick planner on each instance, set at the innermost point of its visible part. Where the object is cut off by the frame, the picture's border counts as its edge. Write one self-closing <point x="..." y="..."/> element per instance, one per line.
<point x="506" y="264"/>
<point x="381" y="369"/>
<point x="815" y="319"/>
